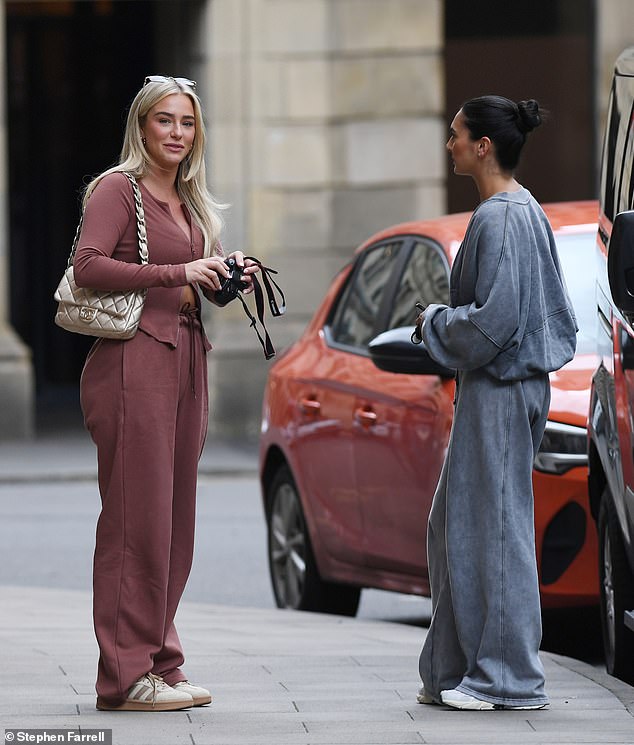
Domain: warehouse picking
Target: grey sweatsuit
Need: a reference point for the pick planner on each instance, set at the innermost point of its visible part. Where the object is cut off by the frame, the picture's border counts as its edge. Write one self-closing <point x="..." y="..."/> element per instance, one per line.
<point x="509" y="324"/>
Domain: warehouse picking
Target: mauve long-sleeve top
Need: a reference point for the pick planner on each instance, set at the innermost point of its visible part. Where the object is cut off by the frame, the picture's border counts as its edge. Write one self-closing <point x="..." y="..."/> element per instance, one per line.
<point x="107" y="256"/>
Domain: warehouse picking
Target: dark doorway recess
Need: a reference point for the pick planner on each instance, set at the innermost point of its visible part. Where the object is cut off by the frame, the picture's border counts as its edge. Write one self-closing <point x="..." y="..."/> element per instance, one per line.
<point x="543" y="50"/>
<point x="72" y="69"/>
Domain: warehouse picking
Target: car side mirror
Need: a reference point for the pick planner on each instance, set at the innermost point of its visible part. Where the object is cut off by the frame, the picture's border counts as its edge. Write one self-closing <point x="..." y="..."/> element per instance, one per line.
<point x="393" y="351"/>
<point x="621" y="263"/>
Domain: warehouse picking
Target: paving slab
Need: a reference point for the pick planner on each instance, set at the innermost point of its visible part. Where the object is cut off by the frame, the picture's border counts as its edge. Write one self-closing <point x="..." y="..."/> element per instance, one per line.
<point x="281" y="678"/>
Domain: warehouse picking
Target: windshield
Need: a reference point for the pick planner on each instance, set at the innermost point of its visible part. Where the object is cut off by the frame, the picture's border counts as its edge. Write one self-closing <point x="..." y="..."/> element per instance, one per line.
<point x="577" y="254"/>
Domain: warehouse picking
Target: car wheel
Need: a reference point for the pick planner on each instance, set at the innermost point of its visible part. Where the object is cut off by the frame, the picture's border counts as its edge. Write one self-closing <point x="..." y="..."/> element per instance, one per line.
<point x="617" y="594"/>
<point x="294" y="575"/>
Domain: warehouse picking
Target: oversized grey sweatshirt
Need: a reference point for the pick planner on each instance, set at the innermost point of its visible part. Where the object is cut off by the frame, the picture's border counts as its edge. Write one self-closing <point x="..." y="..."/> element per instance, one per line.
<point x="509" y="308"/>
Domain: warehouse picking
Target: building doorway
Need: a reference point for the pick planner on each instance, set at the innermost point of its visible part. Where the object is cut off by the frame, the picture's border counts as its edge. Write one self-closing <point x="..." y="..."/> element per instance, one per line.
<point x="72" y="70"/>
<point x="543" y="50"/>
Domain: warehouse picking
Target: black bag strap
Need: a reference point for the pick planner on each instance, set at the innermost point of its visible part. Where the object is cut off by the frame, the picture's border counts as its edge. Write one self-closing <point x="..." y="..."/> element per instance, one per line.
<point x="269" y="283"/>
<point x="277" y="309"/>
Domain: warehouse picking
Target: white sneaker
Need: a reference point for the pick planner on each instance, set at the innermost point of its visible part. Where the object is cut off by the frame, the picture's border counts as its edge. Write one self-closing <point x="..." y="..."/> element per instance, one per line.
<point x="459" y="700"/>
<point x="151" y="693"/>
<point x="200" y="695"/>
<point x="424" y="698"/>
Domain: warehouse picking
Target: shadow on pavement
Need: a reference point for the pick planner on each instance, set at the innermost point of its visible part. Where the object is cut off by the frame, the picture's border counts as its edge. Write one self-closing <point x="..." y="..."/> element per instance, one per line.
<point x="573" y="632"/>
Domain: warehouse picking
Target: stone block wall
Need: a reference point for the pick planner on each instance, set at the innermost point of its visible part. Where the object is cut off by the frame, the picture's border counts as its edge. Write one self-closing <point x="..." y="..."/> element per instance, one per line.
<point x="614" y="32"/>
<point x="327" y="124"/>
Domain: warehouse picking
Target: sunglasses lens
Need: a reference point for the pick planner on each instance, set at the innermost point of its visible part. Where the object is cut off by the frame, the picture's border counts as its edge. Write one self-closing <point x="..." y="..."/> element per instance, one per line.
<point x="186" y="81"/>
<point x="163" y="79"/>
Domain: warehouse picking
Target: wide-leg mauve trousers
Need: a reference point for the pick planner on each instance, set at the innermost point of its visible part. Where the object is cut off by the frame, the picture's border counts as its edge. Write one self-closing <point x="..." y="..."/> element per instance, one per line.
<point x="145" y="406"/>
<point x="486" y="623"/>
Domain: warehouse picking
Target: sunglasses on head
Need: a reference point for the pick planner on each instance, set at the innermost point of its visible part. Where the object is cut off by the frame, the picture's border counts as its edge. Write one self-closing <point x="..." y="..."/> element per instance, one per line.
<point x="164" y="79"/>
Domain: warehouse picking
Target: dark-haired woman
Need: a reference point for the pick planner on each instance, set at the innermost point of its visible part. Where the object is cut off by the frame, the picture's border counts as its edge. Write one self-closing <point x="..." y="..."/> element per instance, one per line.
<point x="509" y="324"/>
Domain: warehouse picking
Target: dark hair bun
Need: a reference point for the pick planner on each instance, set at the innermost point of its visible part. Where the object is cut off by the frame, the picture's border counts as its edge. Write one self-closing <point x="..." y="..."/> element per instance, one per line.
<point x="529" y="115"/>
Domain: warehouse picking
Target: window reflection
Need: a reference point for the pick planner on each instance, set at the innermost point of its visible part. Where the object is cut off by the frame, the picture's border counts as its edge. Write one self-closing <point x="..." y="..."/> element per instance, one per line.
<point x="355" y="318"/>
<point x="425" y="280"/>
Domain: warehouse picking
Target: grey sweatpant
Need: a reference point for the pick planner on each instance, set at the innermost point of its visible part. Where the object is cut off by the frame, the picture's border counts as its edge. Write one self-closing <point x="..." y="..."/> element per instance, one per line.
<point x="486" y="622"/>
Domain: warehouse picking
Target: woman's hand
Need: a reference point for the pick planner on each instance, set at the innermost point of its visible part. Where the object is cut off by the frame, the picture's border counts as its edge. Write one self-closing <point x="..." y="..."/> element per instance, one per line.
<point x="206" y="272"/>
<point x="248" y="267"/>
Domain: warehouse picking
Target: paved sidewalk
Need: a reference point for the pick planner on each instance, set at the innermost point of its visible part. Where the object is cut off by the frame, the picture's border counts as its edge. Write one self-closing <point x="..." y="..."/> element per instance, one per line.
<point x="278" y="677"/>
<point x="281" y="678"/>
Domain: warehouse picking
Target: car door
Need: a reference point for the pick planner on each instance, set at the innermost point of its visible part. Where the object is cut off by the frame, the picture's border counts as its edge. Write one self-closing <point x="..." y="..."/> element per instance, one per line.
<point x="401" y="425"/>
<point x="326" y="399"/>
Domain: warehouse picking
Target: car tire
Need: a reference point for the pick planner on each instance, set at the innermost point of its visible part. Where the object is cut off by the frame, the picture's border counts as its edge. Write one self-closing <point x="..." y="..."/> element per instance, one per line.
<point x="617" y="594"/>
<point x="294" y="575"/>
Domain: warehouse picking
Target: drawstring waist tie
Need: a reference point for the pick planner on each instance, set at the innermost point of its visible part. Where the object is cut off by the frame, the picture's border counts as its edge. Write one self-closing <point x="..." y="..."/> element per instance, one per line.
<point x="190" y="317"/>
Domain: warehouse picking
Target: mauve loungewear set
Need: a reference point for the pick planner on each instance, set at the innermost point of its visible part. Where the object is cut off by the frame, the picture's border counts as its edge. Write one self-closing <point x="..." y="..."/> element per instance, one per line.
<point x="145" y="405"/>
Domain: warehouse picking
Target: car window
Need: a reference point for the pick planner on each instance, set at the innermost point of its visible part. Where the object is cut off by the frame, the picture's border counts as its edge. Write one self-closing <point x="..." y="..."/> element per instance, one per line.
<point x="627" y="182"/>
<point x="355" y="317"/>
<point x="609" y="149"/>
<point x="617" y="186"/>
<point x="425" y="280"/>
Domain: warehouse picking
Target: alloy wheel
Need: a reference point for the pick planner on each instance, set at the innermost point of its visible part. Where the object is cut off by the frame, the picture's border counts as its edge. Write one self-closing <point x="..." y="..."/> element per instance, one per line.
<point x="288" y="546"/>
<point x="608" y="588"/>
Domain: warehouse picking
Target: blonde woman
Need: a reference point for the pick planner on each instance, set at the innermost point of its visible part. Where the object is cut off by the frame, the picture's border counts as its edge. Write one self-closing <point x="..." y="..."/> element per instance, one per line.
<point x="144" y="400"/>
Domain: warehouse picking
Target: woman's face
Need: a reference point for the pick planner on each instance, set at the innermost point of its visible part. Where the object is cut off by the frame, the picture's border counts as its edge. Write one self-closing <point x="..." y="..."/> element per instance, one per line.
<point x="464" y="150"/>
<point x="169" y="130"/>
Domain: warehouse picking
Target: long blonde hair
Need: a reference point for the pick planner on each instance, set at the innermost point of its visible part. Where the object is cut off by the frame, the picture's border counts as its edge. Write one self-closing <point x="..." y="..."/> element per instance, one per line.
<point x="191" y="179"/>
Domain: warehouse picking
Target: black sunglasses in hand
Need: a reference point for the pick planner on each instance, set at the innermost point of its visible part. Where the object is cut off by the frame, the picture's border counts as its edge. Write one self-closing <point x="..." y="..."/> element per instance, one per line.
<point x="416" y="336"/>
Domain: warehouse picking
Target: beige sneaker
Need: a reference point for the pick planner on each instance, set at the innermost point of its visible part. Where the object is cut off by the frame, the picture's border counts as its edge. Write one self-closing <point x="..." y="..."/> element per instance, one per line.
<point x="200" y="695"/>
<point x="151" y="693"/>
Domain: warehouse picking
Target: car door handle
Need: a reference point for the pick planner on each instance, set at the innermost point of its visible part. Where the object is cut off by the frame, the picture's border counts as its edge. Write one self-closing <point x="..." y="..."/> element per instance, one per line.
<point x="310" y="406"/>
<point x="365" y="417"/>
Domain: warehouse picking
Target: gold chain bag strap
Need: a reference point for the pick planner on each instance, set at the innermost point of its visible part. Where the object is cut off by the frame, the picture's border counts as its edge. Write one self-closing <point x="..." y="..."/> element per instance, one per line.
<point x="114" y="314"/>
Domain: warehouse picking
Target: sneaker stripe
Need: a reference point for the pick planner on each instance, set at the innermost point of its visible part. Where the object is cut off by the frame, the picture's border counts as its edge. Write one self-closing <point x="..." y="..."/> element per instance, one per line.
<point x="141" y="692"/>
<point x="144" y="690"/>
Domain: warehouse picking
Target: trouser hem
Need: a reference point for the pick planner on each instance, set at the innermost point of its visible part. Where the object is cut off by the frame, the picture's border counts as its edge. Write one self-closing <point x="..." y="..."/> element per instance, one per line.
<point x="503" y="701"/>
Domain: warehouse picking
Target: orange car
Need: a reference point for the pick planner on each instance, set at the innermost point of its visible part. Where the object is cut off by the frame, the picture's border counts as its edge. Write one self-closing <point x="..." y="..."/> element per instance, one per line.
<point x="350" y="453"/>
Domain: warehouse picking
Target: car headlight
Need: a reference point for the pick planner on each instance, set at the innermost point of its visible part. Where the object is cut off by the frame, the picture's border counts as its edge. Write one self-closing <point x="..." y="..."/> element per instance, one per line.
<point x="563" y="447"/>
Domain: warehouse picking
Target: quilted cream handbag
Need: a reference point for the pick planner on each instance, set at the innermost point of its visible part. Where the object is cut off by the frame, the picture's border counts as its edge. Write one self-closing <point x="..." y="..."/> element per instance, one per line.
<point x="113" y="314"/>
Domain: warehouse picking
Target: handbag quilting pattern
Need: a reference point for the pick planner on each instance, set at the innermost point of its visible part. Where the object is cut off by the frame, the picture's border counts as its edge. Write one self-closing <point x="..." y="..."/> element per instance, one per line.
<point x="113" y="314"/>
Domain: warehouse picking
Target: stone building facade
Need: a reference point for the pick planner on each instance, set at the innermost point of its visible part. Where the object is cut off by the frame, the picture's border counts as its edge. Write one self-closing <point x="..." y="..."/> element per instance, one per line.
<point x="327" y="121"/>
<point x="328" y="124"/>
